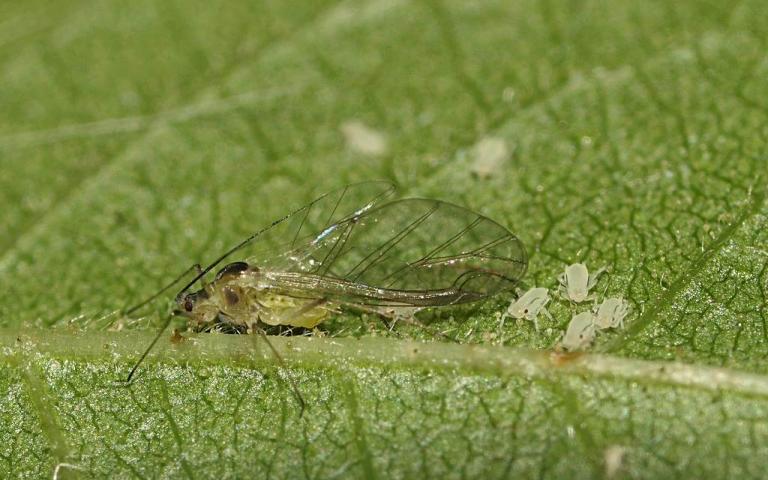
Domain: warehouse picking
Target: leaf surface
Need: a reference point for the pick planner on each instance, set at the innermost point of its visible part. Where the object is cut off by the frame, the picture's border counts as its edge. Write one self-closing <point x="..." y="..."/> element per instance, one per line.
<point x="137" y="139"/>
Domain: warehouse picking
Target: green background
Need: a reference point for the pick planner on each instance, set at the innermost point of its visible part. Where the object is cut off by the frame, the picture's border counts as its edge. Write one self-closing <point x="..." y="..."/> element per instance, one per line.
<point x="139" y="137"/>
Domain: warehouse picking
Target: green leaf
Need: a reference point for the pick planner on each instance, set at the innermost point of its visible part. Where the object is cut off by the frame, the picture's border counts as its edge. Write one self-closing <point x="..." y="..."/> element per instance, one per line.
<point x="139" y="138"/>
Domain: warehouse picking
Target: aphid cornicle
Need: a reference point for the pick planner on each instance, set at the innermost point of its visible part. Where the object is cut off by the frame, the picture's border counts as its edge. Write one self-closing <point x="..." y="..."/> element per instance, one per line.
<point x="348" y="248"/>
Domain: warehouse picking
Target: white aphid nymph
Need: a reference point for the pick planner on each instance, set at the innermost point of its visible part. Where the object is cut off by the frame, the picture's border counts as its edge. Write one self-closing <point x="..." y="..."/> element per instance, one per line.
<point x="529" y="305"/>
<point x="611" y="313"/>
<point x="580" y="332"/>
<point x="576" y="282"/>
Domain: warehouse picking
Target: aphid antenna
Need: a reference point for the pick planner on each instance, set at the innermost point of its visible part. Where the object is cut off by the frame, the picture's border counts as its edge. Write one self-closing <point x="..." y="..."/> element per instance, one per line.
<point x="594" y="300"/>
<point x="166" y="288"/>
<point x="147" y="350"/>
<point x="222" y="257"/>
<point x="520" y="288"/>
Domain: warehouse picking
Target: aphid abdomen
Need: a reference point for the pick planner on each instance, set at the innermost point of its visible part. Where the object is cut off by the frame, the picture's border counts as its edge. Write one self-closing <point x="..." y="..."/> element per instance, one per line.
<point x="284" y="310"/>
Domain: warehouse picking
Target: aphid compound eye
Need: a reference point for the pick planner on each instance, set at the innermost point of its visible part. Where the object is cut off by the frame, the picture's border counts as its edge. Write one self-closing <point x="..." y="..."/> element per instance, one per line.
<point x="189" y="304"/>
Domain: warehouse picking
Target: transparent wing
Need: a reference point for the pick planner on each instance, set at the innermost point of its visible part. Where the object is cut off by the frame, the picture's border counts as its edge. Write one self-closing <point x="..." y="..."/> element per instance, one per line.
<point x="411" y="252"/>
<point x="294" y="229"/>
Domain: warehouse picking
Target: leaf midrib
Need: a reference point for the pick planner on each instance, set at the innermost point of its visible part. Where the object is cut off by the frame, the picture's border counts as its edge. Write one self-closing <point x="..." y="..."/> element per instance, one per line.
<point x="318" y="352"/>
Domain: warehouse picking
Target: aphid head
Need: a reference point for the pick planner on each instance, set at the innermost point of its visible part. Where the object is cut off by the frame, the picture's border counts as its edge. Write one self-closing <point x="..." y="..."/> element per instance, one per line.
<point x="188" y="301"/>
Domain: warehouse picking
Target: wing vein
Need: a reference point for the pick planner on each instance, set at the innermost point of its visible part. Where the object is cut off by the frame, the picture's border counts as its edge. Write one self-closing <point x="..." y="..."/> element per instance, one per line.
<point x="397" y="238"/>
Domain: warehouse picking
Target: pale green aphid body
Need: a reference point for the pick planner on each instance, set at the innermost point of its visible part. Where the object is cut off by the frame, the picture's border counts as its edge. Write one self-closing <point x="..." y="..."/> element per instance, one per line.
<point x="611" y="313"/>
<point x="580" y="332"/>
<point x="576" y="282"/>
<point x="529" y="305"/>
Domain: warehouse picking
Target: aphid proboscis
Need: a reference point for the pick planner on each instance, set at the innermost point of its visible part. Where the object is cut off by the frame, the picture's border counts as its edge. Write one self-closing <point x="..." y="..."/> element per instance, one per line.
<point x="348" y="248"/>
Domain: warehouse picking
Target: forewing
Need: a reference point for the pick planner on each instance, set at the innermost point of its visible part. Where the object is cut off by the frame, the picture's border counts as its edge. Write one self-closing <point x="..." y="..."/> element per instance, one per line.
<point x="297" y="227"/>
<point x="407" y="252"/>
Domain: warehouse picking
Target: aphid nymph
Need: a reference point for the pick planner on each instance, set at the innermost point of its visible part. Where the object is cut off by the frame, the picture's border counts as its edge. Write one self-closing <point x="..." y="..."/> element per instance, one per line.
<point x="529" y="305"/>
<point x="580" y="332"/>
<point x="611" y="313"/>
<point x="576" y="282"/>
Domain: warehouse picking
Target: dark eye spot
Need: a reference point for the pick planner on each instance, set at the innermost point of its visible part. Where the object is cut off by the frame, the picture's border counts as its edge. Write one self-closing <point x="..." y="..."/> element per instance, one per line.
<point x="188" y="304"/>
<point x="231" y="296"/>
<point x="525" y="311"/>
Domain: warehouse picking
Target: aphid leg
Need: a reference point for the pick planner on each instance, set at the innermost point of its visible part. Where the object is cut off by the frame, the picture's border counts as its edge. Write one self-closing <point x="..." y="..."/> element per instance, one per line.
<point x="592" y="281"/>
<point x="562" y="287"/>
<point x="387" y="317"/>
<point x="503" y="319"/>
<point x="595" y="306"/>
<point x="195" y="267"/>
<point x="59" y="466"/>
<point x="549" y="315"/>
<point x="405" y="315"/>
<point x="391" y="317"/>
<point x="623" y="313"/>
<point x="558" y="345"/>
<point x="519" y="292"/>
<point x="411" y="320"/>
<point x="279" y="358"/>
<point x="286" y="320"/>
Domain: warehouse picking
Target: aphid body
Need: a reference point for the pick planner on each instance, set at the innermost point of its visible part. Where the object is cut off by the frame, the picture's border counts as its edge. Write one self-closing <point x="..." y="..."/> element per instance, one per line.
<point x="580" y="332"/>
<point x="529" y="305"/>
<point x="576" y="282"/>
<point x="347" y="249"/>
<point x="611" y="313"/>
<point x="240" y="295"/>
